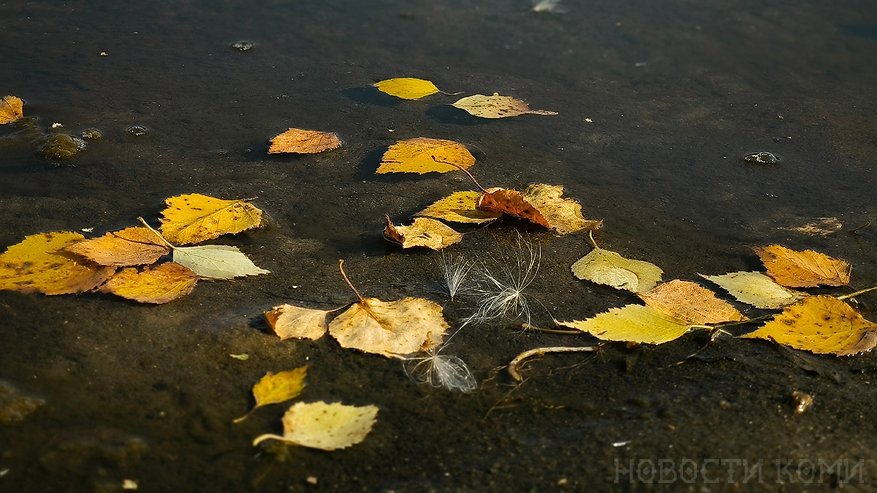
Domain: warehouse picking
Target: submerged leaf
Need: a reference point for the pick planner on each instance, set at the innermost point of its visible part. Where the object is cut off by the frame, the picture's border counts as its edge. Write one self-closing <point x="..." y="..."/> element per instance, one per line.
<point x="217" y="261"/>
<point x="129" y="246"/>
<point x="407" y="87"/>
<point x="193" y="218"/>
<point x="423" y="155"/>
<point x="301" y="141"/>
<point x="325" y="426"/>
<point x="161" y="284"/>
<point x="610" y="268"/>
<point x="632" y="323"/>
<point x="540" y="204"/>
<point x="424" y="232"/>
<point x="274" y="388"/>
<point x="11" y="109"/>
<point x="803" y="269"/>
<point x="691" y="303"/>
<point x="459" y="207"/>
<point x="497" y="106"/>
<point x="290" y="321"/>
<point x="756" y="289"/>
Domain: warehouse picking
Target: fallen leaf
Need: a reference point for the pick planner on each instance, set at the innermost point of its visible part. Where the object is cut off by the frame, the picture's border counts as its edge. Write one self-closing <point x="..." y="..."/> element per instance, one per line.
<point x="126" y="247"/>
<point x="497" y="106"/>
<point x="301" y="141"/>
<point x="217" y="261"/>
<point x="632" y="323"/>
<point x="290" y="321"/>
<point x="407" y="87"/>
<point x="756" y="289"/>
<point x="803" y="269"/>
<point x="610" y="268"/>
<point x="40" y="263"/>
<point x="274" y="388"/>
<point x="11" y="109"/>
<point x="424" y="232"/>
<point x="540" y="204"/>
<point x="459" y="207"/>
<point x="325" y="426"/>
<point x="691" y="303"/>
<point x="423" y="155"/>
<point x="193" y="218"/>
<point x="821" y="325"/>
<point x="160" y="284"/>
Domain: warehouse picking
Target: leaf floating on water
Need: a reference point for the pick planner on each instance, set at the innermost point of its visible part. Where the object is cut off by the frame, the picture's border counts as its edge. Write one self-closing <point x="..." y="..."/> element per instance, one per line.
<point x="821" y="325"/>
<point x="407" y="87"/>
<point x="631" y="323"/>
<point x="540" y="204"/>
<point x="756" y="289"/>
<point x="424" y="232"/>
<point x="691" y="303"/>
<point x="459" y="207"/>
<point x="290" y="321"/>
<point x="130" y="246"/>
<point x="325" y="426"/>
<point x="803" y="269"/>
<point x="11" y="109"/>
<point x="161" y="284"/>
<point x="423" y="155"/>
<point x="301" y="141"/>
<point x="217" y="261"/>
<point x="193" y="218"/>
<point x="610" y="268"/>
<point x="497" y="106"/>
<point x="40" y="263"/>
<point x="274" y="388"/>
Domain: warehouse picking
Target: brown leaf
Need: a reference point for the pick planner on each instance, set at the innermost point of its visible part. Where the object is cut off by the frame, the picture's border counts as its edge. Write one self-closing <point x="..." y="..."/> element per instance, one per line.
<point x="803" y="269"/>
<point x="540" y="204"/>
<point x="691" y="303"/>
<point x="424" y="232"/>
<point x="129" y="246"/>
<point x="301" y="141"/>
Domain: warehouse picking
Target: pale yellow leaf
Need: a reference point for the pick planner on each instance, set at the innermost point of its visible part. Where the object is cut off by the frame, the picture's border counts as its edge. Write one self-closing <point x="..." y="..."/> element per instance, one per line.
<point x="424" y="232"/>
<point x="290" y="321"/>
<point x="325" y="426"/>
<point x="756" y="289"/>
<point x="217" y="261"/>
<point x="632" y="323"/>
<point x="610" y="268"/>
<point x="496" y="106"/>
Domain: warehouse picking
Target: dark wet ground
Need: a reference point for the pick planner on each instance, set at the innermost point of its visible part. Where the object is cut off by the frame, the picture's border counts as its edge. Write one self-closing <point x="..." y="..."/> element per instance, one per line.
<point x="677" y="92"/>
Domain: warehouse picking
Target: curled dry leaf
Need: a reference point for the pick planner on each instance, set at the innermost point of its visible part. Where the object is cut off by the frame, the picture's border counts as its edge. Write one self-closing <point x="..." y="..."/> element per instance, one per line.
<point x="290" y="321"/>
<point x="301" y="141"/>
<point x="632" y="323"/>
<point x="11" y="109"/>
<point x="274" y="388"/>
<point x="407" y="87"/>
<point x="821" y="325"/>
<point x="691" y="303"/>
<point x="423" y="155"/>
<point x="497" y="106"/>
<point x="610" y="268"/>
<point x="459" y="207"/>
<point x="160" y="284"/>
<point x="193" y="218"/>
<point x="40" y="263"/>
<point x="540" y="204"/>
<point x="803" y="269"/>
<point x="217" y="261"/>
<point x="126" y="247"/>
<point x="756" y="289"/>
<point x="424" y="232"/>
<point x="325" y="426"/>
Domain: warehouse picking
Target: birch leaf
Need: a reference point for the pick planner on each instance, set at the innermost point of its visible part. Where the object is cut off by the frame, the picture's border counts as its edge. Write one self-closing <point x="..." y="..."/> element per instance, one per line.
<point x="803" y="269"/>
<point x="290" y="321"/>
<point x="497" y="106"/>
<point x="691" y="303"/>
<point x="11" y="109"/>
<point x="216" y="261"/>
<point x="540" y="204"/>
<point x="407" y="87"/>
<point x="301" y="141"/>
<point x="610" y="268"/>
<point x="424" y="232"/>
<point x="424" y="155"/>
<point x="161" y="284"/>
<point x="274" y="388"/>
<point x="459" y="207"/>
<point x="129" y="246"/>
<point x="756" y="289"/>
<point x="193" y="218"/>
<point x="632" y="323"/>
<point x="325" y="426"/>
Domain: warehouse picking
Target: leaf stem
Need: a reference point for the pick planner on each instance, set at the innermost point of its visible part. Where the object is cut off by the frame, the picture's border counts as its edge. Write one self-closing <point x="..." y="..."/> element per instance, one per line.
<point x="464" y="170"/>
<point x="347" y="280"/>
<point x="857" y="293"/>
<point x="539" y="351"/>
<point x="591" y="237"/>
<point x="160" y="237"/>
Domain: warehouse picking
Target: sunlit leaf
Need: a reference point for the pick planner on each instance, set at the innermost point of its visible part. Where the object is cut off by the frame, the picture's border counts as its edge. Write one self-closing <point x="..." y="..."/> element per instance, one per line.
<point x="803" y="269"/>
<point x="540" y="204"/>
<point x="290" y="321"/>
<point x="160" y="284"/>
<point x="424" y="232"/>
<point x="301" y="141"/>
<point x="632" y="323"/>
<point x="610" y="268"/>
<point x="274" y="388"/>
<point x="756" y="289"/>
<point x="459" y="207"/>
<point x="423" y="155"/>
<point x="11" y="109"/>
<point x="691" y="303"/>
<point x="325" y="426"/>
<point x="497" y="106"/>
<point x="193" y="218"/>
<point x="407" y="87"/>
<point x="217" y="261"/>
<point x="126" y="247"/>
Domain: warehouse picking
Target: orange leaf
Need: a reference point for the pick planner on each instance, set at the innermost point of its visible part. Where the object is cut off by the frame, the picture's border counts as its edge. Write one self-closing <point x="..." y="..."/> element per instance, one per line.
<point x="540" y="204"/>
<point x="301" y="141"/>
<point x="691" y="303"/>
<point x="424" y="232"/>
<point x="803" y="269"/>
<point x="11" y="109"/>
<point x="161" y="284"/>
<point x="130" y="246"/>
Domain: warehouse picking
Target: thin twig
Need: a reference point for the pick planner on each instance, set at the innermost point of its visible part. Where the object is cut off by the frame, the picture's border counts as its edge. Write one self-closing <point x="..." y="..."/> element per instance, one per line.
<point x="857" y="293"/>
<point x="160" y="237"/>
<point x="539" y="351"/>
<point x="464" y="170"/>
<point x="347" y="280"/>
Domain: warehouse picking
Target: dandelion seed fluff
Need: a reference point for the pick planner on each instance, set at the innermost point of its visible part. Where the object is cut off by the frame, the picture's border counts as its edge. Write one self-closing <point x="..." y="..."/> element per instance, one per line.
<point x="440" y="370"/>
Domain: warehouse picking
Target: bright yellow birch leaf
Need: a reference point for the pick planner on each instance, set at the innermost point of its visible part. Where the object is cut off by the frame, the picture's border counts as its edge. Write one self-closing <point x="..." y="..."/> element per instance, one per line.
<point x="40" y="263"/>
<point x="611" y="269"/>
<point x="325" y="426"/>
<point x="301" y="141"/>
<point x="803" y="269"/>
<point x="126" y="247"/>
<point x="821" y="325"/>
<point x="540" y="204"/>
<point x="756" y="289"/>
<point x="290" y="321"/>
<point x="407" y="87"/>
<point x="691" y="303"/>
<point x="160" y="284"/>
<point x="11" y="109"/>
<point x="459" y="207"/>
<point x="632" y="323"/>
<point x="274" y="388"/>
<point x="217" y="262"/>
<point x="423" y="232"/>
<point x="424" y="155"/>
<point x="193" y="218"/>
<point x="497" y="106"/>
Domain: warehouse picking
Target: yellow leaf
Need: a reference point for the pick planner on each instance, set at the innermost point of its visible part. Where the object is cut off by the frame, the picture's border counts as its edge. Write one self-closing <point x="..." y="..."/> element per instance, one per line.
<point x="459" y="207"/>
<point x="129" y="246"/>
<point x="39" y="263"/>
<point x="821" y="325"/>
<point x="290" y="321"/>
<point x="301" y="141"/>
<point x="424" y="232"/>
<point x="632" y="323"/>
<point x="691" y="303"/>
<point x="497" y="106"/>
<point x="325" y="426"/>
<point x="161" y="284"/>
<point x="407" y="87"/>
<point x="193" y="218"/>
<point x="423" y="155"/>
<point x="390" y="328"/>
<point x="756" y="289"/>
<point x="11" y="109"/>
<point x="610" y="268"/>
<point x="803" y="269"/>
<point x="217" y="261"/>
<point x="540" y="204"/>
<point x="274" y="388"/>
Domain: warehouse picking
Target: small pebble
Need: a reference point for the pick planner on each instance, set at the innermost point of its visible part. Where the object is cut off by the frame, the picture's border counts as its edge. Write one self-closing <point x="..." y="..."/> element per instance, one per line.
<point x="60" y="146"/>
<point x="803" y="401"/>
<point x="137" y="130"/>
<point x="761" y="157"/>
<point x="92" y="134"/>
<point x="242" y="45"/>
